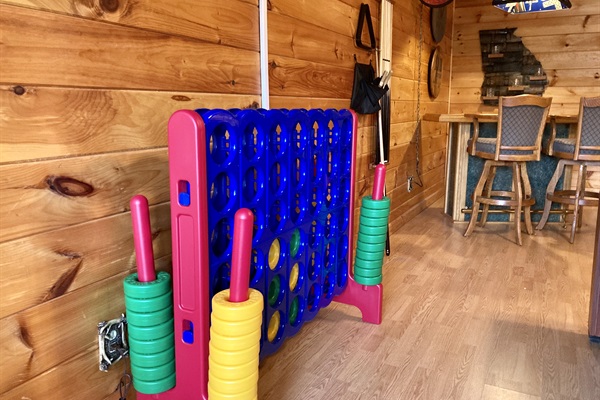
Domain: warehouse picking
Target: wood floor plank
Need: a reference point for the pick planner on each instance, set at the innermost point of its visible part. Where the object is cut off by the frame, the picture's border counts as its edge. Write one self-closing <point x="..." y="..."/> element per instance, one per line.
<point x="463" y="318"/>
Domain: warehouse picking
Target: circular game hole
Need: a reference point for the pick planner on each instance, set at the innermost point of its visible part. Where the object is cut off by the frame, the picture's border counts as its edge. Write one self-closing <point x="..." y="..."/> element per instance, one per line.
<point x="342" y="273"/>
<point x="277" y="216"/>
<point x="299" y="208"/>
<point x="296" y="310"/>
<point x="318" y="136"/>
<point x="316" y="232"/>
<point x="318" y="167"/>
<point x="329" y="285"/>
<point x="274" y="254"/>
<point x="346" y="132"/>
<point x="317" y="200"/>
<point x="221" y="149"/>
<point x="278" y="141"/>
<point x="300" y="137"/>
<point x="253" y="142"/>
<point x="331" y="254"/>
<point x="336" y="132"/>
<point x="330" y="226"/>
<point x="258" y="226"/>
<point x="346" y="161"/>
<point x="344" y="191"/>
<point x="331" y="137"/>
<point x="256" y="267"/>
<point x="342" y="248"/>
<point x="314" y="266"/>
<point x="222" y="278"/>
<point x="276" y="291"/>
<point x="253" y="185"/>
<point x="220" y="237"/>
<point x="275" y="328"/>
<point x="220" y="192"/>
<point x="298" y="173"/>
<point x="344" y="222"/>
<point x="314" y="297"/>
<point x="333" y="227"/>
<point x="277" y="179"/>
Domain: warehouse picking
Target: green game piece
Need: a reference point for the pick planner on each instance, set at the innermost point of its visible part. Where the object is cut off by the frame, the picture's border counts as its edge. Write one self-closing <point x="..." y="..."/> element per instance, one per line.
<point x="148" y="305"/>
<point x="373" y="230"/>
<point x="151" y="346"/>
<point x="149" y="318"/>
<point x="154" y="387"/>
<point x="367" y="281"/>
<point x="369" y="264"/>
<point x="295" y="243"/>
<point x="152" y="360"/>
<point x="274" y="289"/>
<point x="368" y="202"/>
<point x="294" y="312"/>
<point x="147" y="290"/>
<point x="367" y="273"/>
<point x="151" y="332"/>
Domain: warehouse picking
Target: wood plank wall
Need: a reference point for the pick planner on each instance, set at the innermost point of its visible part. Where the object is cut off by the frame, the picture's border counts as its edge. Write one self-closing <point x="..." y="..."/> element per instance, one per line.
<point x="409" y="93"/>
<point x="567" y="43"/>
<point x="86" y="90"/>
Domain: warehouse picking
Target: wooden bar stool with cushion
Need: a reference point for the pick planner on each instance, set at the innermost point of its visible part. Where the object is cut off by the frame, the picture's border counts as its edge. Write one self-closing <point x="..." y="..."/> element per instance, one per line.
<point x="521" y="121"/>
<point x="581" y="151"/>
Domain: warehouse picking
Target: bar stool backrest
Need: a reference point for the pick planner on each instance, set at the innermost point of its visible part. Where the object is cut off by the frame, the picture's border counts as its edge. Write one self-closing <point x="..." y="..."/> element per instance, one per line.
<point x="521" y="121"/>
<point x="587" y="145"/>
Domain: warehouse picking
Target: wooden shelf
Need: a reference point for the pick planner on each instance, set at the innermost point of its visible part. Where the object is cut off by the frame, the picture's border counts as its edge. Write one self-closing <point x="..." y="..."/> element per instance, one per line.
<point x="496" y="55"/>
<point x="489" y="97"/>
<point x="538" y="78"/>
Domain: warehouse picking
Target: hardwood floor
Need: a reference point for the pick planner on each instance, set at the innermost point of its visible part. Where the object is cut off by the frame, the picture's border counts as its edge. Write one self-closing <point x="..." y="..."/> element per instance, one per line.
<point x="463" y="318"/>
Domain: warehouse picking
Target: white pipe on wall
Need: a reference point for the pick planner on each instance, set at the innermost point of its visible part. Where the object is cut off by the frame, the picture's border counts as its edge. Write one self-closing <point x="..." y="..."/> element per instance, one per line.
<point x="264" y="54"/>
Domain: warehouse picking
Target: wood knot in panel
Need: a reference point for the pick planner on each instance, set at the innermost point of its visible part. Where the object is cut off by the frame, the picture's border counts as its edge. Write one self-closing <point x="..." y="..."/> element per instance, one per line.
<point x="67" y="186"/>
<point x="19" y="90"/>
<point x="109" y="5"/>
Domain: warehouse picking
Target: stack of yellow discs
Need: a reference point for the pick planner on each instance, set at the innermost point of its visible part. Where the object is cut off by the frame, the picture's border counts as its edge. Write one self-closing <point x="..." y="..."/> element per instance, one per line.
<point x="234" y="347"/>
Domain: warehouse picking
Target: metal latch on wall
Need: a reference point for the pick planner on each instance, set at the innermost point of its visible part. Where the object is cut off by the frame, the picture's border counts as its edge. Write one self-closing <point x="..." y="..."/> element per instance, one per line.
<point x="112" y="342"/>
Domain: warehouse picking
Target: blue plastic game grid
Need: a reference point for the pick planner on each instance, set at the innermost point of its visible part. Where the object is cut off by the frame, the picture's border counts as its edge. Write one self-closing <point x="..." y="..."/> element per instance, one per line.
<point x="292" y="168"/>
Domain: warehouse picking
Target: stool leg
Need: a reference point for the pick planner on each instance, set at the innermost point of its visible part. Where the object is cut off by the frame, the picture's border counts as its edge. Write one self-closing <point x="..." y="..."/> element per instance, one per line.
<point x="527" y="193"/>
<point x="519" y="197"/>
<point x="578" y="192"/>
<point x="560" y="168"/>
<point x="486" y="193"/>
<point x="476" y="193"/>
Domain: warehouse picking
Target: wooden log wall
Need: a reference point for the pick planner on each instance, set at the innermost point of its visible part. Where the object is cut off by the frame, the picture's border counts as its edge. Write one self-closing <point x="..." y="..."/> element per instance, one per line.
<point x="86" y="90"/>
<point x="409" y="94"/>
<point x="567" y="43"/>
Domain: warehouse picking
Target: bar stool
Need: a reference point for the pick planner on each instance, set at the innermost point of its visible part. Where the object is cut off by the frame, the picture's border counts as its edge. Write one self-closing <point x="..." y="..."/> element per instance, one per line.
<point x="521" y="121"/>
<point x="581" y="151"/>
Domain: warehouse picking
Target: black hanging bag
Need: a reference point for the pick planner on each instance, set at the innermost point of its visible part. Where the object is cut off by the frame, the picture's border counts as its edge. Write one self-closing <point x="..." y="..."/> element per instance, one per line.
<point x="365" y="90"/>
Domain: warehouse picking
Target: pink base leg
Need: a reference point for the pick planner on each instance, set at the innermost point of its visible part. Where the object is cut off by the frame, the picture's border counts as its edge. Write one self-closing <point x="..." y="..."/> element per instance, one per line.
<point x="368" y="299"/>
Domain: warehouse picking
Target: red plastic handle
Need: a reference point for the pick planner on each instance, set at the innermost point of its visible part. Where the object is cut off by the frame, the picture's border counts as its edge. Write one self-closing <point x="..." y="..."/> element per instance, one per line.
<point x="379" y="182"/>
<point x="142" y="237"/>
<point x="240" y="257"/>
